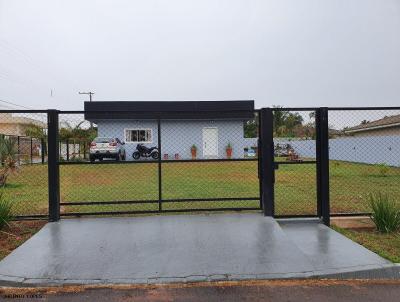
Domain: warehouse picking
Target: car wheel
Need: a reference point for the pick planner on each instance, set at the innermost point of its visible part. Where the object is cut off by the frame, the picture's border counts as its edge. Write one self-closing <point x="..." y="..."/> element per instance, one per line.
<point x="92" y="159"/>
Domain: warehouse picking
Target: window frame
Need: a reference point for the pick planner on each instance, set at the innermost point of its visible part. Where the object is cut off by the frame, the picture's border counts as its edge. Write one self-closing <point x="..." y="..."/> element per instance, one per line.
<point x="138" y="129"/>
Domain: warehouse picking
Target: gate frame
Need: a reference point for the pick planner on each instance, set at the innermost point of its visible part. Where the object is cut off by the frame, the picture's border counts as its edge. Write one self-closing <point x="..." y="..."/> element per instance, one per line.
<point x="54" y="197"/>
<point x="265" y="159"/>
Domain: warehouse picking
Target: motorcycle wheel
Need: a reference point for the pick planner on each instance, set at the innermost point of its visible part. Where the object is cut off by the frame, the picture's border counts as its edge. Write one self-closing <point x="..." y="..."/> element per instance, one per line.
<point x="155" y="155"/>
<point x="136" y="155"/>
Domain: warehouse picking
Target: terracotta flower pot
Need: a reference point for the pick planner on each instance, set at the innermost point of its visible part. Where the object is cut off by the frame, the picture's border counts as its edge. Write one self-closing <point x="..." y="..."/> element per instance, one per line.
<point x="194" y="153"/>
<point x="228" y="152"/>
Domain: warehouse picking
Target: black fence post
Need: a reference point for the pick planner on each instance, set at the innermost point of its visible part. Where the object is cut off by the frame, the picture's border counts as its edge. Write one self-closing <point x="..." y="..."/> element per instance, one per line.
<point x="67" y="149"/>
<point x="267" y="172"/>
<point x="43" y="148"/>
<point x="53" y="167"/>
<point x="84" y="149"/>
<point x="323" y="165"/>
<point x="159" y="165"/>
<point x="31" y="150"/>
<point x="318" y="159"/>
<point x="18" y="150"/>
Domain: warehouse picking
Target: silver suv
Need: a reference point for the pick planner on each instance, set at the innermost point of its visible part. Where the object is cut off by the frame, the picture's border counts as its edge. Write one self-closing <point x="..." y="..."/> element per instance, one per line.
<point x="107" y="147"/>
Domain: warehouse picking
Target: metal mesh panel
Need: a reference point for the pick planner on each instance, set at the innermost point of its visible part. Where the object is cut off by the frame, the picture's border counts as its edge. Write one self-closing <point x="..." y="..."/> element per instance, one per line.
<point x="295" y="156"/>
<point x="116" y="165"/>
<point x="203" y="181"/>
<point x="364" y="151"/>
<point x="23" y="162"/>
<point x="295" y="190"/>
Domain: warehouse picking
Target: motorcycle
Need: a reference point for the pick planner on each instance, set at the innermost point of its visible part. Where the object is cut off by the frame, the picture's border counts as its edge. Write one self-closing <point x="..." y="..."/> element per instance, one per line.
<point x="143" y="151"/>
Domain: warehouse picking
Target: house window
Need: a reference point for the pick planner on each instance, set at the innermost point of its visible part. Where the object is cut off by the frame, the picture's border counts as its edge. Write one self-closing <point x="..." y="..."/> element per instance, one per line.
<point x="138" y="135"/>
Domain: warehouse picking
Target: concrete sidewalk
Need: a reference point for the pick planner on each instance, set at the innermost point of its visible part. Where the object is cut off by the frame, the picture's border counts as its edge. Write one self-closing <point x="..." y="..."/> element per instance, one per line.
<point x="267" y="290"/>
<point x="184" y="248"/>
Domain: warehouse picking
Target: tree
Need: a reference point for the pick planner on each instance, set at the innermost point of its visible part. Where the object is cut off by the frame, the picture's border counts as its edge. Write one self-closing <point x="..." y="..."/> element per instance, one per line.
<point x="35" y="131"/>
<point x="251" y="128"/>
<point x="285" y="122"/>
<point x="69" y="131"/>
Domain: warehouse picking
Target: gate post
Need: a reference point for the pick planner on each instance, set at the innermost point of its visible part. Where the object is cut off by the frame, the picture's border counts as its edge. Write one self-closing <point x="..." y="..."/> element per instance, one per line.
<point x="52" y="165"/>
<point x="322" y="131"/>
<point x="159" y="164"/>
<point x="267" y="171"/>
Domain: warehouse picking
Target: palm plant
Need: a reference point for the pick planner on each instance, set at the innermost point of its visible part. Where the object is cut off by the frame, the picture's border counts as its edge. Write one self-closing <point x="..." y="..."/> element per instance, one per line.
<point x="5" y="210"/>
<point x="69" y="131"/>
<point x="8" y="158"/>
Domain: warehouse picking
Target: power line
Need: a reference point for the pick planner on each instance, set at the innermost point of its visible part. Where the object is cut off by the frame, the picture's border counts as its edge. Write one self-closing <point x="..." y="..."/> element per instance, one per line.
<point x="89" y="93"/>
<point x="11" y="103"/>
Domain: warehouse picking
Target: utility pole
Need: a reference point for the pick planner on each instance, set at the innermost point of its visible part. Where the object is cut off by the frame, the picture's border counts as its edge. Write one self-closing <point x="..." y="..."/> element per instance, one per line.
<point x="89" y="93"/>
<point x="90" y="100"/>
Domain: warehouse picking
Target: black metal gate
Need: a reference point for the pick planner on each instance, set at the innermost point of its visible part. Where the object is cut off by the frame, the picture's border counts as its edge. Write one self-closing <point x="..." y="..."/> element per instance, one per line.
<point x="178" y="181"/>
<point x="294" y="185"/>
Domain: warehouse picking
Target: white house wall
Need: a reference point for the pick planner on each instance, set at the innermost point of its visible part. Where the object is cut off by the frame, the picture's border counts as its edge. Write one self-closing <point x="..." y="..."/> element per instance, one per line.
<point x="177" y="137"/>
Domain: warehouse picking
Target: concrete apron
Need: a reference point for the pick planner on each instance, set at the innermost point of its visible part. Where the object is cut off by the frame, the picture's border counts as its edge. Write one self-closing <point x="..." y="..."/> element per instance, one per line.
<point x="186" y="248"/>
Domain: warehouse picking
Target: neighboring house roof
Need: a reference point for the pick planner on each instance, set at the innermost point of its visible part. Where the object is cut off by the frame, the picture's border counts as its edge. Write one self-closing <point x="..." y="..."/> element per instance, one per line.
<point x="170" y="110"/>
<point x="386" y="122"/>
<point x="8" y="118"/>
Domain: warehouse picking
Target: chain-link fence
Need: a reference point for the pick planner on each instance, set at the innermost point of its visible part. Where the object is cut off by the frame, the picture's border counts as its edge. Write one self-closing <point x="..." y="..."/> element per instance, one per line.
<point x="364" y="151"/>
<point x="295" y="160"/>
<point x="133" y="165"/>
<point x="129" y="164"/>
<point x="23" y="157"/>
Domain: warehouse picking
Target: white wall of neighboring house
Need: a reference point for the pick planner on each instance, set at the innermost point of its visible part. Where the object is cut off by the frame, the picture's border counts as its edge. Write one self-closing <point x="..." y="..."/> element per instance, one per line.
<point x="369" y="150"/>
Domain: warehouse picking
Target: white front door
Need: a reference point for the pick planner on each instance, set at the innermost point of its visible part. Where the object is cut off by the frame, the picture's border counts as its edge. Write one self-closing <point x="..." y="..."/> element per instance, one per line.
<point x="210" y="142"/>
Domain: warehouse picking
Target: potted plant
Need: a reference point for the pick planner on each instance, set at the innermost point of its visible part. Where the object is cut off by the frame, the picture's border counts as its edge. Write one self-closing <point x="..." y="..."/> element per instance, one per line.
<point x="193" y="151"/>
<point x="229" y="150"/>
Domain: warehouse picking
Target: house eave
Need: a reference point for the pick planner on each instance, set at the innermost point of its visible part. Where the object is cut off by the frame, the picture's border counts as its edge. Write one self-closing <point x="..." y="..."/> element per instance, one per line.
<point x="372" y="128"/>
<point x="169" y="110"/>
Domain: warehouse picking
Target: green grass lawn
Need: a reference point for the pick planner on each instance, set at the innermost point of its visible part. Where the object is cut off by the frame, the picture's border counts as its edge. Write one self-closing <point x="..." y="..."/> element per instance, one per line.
<point x="295" y="186"/>
<point x="385" y="245"/>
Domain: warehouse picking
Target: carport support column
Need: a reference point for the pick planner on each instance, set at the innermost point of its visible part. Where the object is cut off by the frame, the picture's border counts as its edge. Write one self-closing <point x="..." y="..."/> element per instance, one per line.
<point x="267" y="172"/>
<point x="53" y="167"/>
<point x="322" y="131"/>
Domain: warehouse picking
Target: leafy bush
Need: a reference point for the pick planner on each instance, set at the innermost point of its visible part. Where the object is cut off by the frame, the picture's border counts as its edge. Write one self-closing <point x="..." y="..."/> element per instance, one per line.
<point x="8" y="158"/>
<point x="383" y="169"/>
<point x="5" y="210"/>
<point x="385" y="213"/>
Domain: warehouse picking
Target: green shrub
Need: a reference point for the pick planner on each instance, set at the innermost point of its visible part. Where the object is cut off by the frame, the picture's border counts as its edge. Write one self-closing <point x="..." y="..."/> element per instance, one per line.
<point x="8" y="159"/>
<point x="385" y="213"/>
<point x="5" y="210"/>
<point x="383" y="169"/>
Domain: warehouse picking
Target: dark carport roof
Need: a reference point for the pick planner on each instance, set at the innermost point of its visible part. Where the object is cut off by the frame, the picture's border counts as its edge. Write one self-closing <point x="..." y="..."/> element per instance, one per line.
<point x="170" y="110"/>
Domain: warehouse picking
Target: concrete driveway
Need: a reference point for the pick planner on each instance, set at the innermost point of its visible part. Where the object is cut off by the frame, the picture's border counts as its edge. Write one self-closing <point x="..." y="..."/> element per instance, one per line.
<point x="185" y="248"/>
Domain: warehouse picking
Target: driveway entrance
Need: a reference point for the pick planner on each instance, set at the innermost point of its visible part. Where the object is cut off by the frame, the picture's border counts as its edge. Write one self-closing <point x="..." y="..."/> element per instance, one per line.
<point x="184" y="248"/>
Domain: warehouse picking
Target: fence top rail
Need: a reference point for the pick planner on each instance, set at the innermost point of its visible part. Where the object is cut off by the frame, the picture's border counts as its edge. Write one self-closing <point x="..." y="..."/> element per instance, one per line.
<point x="294" y="108"/>
<point x="221" y="111"/>
<point x="365" y="108"/>
<point x="154" y="111"/>
<point x="24" y="111"/>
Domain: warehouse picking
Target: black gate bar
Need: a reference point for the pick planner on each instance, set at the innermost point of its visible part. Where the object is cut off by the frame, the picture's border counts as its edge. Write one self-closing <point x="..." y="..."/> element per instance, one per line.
<point x="53" y="167"/>
<point x="267" y="171"/>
